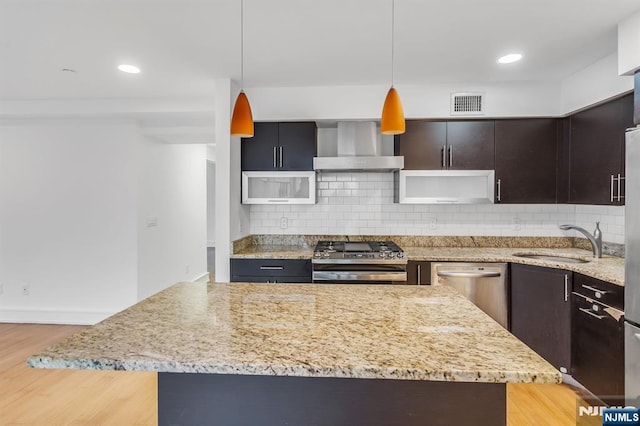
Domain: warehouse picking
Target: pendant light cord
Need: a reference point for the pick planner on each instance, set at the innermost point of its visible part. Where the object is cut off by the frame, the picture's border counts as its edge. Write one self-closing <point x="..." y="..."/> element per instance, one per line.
<point x="242" y="45"/>
<point x="393" y="20"/>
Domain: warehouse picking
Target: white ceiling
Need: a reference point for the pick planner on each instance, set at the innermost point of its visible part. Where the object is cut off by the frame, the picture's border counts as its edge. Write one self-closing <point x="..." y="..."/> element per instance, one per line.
<point x="183" y="45"/>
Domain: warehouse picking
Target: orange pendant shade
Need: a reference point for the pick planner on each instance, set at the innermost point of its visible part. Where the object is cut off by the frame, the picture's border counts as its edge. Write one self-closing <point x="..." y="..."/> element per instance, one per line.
<point x="242" y="119"/>
<point x="392" y="121"/>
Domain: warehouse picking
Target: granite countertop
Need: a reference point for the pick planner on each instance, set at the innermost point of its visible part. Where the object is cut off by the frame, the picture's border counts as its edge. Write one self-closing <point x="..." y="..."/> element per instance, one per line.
<point x="607" y="268"/>
<point x="274" y="251"/>
<point x="376" y="331"/>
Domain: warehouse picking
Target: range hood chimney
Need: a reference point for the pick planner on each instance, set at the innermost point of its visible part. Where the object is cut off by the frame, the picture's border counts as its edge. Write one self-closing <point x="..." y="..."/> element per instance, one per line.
<point x="355" y="146"/>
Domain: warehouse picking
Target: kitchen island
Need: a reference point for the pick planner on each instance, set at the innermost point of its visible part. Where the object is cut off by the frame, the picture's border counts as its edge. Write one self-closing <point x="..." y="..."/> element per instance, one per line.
<point x="311" y="354"/>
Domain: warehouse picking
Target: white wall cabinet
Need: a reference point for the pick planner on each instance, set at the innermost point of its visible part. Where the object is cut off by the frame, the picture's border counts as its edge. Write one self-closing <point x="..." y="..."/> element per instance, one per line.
<point x="278" y="187"/>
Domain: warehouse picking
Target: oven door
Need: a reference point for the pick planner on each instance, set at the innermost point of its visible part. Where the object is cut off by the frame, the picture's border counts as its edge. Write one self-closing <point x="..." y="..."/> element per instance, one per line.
<point x="359" y="274"/>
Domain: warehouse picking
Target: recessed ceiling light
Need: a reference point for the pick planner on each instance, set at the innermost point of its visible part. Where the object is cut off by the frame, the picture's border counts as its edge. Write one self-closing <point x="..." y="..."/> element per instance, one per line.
<point x="510" y="58"/>
<point x="131" y="69"/>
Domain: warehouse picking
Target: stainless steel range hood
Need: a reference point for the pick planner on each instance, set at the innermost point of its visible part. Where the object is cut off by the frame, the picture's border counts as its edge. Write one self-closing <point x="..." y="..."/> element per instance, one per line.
<point x="355" y="146"/>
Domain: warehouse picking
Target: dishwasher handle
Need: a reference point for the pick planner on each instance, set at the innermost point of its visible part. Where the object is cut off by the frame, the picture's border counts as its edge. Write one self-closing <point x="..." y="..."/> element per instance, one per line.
<point x="468" y="274"/>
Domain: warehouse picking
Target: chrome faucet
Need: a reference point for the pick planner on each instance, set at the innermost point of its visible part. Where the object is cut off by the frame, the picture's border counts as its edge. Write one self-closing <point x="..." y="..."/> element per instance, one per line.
<point x="595" y="239"/>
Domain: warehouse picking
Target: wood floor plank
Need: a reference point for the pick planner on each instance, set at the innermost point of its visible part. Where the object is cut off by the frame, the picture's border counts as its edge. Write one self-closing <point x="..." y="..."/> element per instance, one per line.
<point x="67" y="397"/>
<point x="89" y="398"/>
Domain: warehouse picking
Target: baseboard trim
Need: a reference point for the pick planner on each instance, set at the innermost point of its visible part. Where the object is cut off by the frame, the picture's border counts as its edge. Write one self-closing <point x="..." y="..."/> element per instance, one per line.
<point x="33" y="316"/>
<point x="206" y="274"/>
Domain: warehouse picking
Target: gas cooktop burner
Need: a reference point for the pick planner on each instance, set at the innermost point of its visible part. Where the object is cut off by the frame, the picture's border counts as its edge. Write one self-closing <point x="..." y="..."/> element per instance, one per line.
<point x="373" y="262"/>
<point x="358" y="251"/>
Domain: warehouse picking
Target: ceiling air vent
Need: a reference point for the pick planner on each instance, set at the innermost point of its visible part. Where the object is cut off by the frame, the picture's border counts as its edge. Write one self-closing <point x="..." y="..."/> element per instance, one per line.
<point x="467" y="104"/>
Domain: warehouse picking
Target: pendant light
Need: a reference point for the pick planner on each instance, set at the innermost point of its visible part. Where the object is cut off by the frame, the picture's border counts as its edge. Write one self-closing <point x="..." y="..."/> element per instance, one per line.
<point x="242" y="119"/>
<point x="392" y="121"/>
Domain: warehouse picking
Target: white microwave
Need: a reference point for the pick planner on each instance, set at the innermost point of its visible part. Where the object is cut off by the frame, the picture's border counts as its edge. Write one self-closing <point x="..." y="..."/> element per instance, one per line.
<point x="279" y="187"/>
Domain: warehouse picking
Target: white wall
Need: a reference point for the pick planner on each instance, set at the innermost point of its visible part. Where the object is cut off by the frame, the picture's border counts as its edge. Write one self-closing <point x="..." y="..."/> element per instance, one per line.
<point x="232" y="217"/>
<point x="172" y="214"/>
<point x="362" y="204"/>
<point x="596" y="83"/>
<point x="68" y="220"/>
<point x="211" y="204"/>
<point x="365" y="102"/>
<point x="629" y="45"/>
<point x="75" y="198"/>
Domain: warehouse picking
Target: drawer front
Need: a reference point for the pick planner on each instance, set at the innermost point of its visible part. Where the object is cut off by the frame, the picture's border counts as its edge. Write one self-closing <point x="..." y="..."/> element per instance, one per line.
<point x="598" y="348"/>
<point x="601" y="291"/>
<point x="300" y="268"/>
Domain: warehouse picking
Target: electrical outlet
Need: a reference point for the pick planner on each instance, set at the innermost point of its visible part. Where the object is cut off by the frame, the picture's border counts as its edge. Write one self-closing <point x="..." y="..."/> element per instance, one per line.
<point x="517" y="224"/>
<point x="284" y="222"/>
<point x="26" y="290"/>
<point x="433" y="222"/>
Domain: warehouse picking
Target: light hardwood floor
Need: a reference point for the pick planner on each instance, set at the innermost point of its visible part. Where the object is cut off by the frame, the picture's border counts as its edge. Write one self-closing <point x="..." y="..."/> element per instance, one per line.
<point x="63" y="397"/>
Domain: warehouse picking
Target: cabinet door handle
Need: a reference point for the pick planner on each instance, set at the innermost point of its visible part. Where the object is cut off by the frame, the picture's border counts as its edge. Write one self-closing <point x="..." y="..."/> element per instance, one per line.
<point x="450" y="157"/>
<point x="620" y="179"/>
<point x="419" y="274"/>
<point x="566" y="288"/>
<point x="468" y="274"/>
<point x="499" y="189"/>
<point x="280" y="147"/>
<point x="271" y="268"/>
<point x="588" y="312"/>
<point x="275" y="164"/>
<point x="444" y="155"/>
<point x="611" y="190"/>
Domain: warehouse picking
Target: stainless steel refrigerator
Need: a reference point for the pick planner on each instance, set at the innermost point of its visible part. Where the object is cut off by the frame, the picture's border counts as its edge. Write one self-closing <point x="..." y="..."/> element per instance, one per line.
<point x="632" y="268"/>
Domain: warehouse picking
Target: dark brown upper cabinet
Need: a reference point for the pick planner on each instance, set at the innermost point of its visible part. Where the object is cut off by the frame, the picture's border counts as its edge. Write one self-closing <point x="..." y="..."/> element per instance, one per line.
<point x="596" y="145"/>
<point x="470" y="145"/>
<point x="422" y="144"/>
<point x="526" y="166"/>
<point x="441" y="145"/>
<point x="280" y="146"/>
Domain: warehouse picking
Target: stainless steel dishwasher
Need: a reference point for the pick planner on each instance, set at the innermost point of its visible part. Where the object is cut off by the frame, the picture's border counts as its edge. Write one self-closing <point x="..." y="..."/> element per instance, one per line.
<point x="484" y="284"/>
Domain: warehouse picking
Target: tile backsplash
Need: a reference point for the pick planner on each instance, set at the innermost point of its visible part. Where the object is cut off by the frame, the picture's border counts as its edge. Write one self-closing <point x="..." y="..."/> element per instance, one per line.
<point x="362" y="204"/>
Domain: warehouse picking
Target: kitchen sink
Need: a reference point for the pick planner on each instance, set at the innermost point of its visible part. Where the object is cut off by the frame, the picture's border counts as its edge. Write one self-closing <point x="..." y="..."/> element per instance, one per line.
<point x="552" y="258"/>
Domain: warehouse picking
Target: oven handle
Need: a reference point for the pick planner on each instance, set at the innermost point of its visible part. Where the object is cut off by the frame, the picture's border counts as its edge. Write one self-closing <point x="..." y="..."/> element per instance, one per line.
<point x="468" y="274"/>
<point x="358" y="276"/>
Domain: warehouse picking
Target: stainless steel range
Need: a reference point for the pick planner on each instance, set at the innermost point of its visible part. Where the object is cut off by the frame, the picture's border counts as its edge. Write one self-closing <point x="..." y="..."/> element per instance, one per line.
<point x="359" y="262"/>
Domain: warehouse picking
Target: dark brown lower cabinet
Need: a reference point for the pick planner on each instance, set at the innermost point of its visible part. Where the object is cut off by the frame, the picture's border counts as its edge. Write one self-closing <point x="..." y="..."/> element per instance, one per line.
<point x="271" y="270"/>
<point x="541" y="312"/>
<point x="598" y="338"/>
<point x="418" y="272"/>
